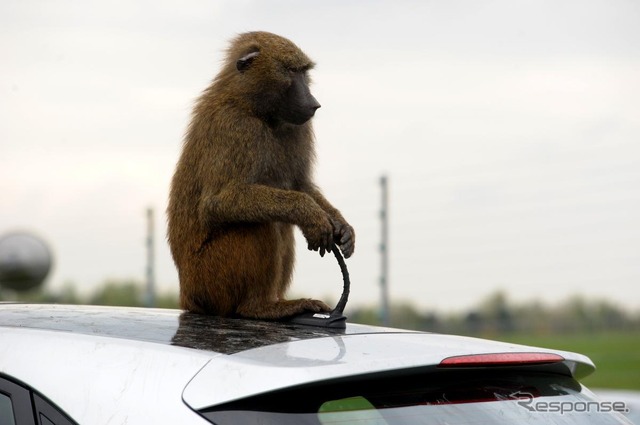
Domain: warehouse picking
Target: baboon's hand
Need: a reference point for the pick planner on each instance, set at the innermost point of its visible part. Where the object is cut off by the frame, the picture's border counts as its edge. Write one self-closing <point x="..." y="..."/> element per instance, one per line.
<point x="344" y="236"/>
<point x="319" y="235"/>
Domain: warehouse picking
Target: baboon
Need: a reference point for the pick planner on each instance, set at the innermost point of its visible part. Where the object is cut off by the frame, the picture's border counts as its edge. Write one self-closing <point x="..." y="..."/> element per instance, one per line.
<point x="244" y="180"/>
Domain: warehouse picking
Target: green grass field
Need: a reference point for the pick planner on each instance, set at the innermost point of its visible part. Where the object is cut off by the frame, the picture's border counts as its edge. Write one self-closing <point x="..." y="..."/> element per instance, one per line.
<point x="615" y="354"/>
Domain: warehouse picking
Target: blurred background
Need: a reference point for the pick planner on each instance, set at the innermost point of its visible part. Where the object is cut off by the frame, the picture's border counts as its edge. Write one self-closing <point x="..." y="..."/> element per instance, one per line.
<point x="508" y="134"/>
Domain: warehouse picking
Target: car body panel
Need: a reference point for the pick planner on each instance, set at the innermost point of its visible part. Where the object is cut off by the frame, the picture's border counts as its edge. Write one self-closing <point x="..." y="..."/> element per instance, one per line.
<point x="109" y="377"/>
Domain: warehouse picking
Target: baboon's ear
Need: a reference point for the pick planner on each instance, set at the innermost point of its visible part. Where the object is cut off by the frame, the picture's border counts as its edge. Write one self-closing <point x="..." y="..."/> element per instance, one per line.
<point x="245" y="62"/>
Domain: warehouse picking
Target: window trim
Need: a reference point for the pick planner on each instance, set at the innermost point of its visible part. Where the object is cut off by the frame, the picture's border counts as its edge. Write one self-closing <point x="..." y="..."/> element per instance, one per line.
<point x="28" y="404"/>
<point x="20" y="401"/>
<point x="55" y="415"/>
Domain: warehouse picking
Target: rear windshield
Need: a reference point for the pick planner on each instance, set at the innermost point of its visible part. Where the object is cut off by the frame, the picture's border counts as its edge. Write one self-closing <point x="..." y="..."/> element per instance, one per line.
<point x="451" y="398"/>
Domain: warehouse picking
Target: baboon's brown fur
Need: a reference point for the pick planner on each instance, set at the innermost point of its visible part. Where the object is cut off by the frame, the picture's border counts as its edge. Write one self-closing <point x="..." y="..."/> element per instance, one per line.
<point x="244" y="179"/>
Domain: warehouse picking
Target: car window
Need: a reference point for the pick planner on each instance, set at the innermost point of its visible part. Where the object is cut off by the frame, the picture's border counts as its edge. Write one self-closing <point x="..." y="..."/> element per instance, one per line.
<point x="434" y="398"/>
<point x="19" y="405"/>
<point x="6" y="410"/>
<point x="16" y="403"/>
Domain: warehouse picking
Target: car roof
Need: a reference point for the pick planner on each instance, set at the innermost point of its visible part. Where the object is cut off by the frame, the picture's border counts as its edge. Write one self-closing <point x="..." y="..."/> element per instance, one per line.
<point x="167" y="326"/>
<point x="244" y="338"/>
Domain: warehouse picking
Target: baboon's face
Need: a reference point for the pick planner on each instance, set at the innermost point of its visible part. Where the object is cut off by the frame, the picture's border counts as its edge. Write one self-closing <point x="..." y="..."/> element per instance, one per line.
<point x="282" y="92"/>
<point x="298" y="104"/>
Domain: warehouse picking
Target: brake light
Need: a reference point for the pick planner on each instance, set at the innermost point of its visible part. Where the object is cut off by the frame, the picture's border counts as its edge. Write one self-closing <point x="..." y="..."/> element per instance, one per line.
<point x="500" y="359"/>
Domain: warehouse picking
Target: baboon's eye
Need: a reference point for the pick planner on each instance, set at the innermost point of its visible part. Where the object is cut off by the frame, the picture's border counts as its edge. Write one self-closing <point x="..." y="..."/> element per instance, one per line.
<point x="245" y="62"/>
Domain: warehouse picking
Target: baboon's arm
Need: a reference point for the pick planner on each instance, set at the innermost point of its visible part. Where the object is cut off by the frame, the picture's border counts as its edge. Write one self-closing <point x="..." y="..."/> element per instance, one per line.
<point x="255" y="203"/>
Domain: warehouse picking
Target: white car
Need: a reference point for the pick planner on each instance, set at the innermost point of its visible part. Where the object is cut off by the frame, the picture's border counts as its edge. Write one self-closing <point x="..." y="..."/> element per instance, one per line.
<point x="103" y="365"/>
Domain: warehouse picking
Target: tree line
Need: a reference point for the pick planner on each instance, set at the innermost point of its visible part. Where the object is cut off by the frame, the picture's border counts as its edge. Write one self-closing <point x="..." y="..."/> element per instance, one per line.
<point x="497" y="315"/>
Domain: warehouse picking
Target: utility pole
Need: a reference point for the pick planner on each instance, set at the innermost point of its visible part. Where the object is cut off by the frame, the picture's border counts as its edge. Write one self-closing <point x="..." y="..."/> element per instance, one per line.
<point x="384" y="253"/>
<point x="150" y="296"/>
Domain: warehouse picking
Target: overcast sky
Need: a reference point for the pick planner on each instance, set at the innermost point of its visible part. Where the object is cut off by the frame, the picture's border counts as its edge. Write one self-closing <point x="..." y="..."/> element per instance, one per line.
<point x="510" y="132"/>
